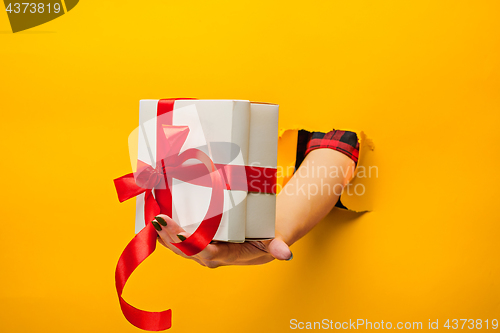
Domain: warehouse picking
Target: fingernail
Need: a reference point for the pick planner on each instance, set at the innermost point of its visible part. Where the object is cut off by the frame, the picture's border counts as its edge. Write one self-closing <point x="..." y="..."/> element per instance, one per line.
<point x="182" y="238"/>
<point x="291" y="256"/>
<point x="161" y="220"/>
<point x="156" y="225"/>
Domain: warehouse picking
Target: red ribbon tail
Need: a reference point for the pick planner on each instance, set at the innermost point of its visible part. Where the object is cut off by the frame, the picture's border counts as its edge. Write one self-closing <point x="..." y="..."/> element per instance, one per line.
<point x="139" y="248"/>
<point x="151" y="321"/>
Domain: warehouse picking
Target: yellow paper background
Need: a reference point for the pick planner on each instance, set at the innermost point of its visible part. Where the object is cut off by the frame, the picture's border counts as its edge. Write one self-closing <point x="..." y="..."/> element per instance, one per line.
<point x="421" y="78"/>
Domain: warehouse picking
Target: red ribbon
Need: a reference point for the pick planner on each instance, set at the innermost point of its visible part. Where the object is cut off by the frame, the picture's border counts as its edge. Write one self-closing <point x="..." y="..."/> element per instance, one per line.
<point x="170" y="139"/>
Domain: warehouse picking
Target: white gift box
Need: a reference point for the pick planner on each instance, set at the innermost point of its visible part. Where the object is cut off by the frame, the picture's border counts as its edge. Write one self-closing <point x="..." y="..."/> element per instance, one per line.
<point x="230" y="132"/>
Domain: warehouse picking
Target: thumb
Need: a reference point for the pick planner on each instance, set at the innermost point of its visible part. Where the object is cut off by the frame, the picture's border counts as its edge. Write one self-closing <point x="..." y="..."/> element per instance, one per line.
<point x="280" y="250"/>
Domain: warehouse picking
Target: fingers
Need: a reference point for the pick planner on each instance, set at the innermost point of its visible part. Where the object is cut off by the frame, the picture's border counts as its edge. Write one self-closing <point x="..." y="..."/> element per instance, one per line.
<point x="280" y="250"/>
<point x="221" y="253"/>
<point x="168" y="230"/>
<point x="218" y="252"/>
<point x="169" y="227"/>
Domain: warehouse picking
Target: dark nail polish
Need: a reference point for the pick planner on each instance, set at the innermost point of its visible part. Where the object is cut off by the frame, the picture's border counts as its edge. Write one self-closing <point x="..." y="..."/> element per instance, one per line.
<point x="161" y="220"/>
<point x="182" y="238"/>
<point x="291" y="256"/>
<point x="156" y="225"/>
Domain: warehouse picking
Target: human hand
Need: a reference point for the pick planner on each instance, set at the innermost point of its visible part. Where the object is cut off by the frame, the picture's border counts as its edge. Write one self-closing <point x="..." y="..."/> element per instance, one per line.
<point x="221" y="253"/>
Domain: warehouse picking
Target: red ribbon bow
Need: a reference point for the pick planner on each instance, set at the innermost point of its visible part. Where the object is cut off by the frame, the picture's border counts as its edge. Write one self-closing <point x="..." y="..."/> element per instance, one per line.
<point x="148" y="180"/>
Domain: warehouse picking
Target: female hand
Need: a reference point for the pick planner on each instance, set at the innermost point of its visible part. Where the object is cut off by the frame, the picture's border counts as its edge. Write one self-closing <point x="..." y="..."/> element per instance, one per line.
<point x="297" y="212"/>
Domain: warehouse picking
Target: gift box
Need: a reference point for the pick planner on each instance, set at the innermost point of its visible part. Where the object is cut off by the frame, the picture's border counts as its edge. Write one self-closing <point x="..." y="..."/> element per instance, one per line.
<point x="239" y="137"/>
